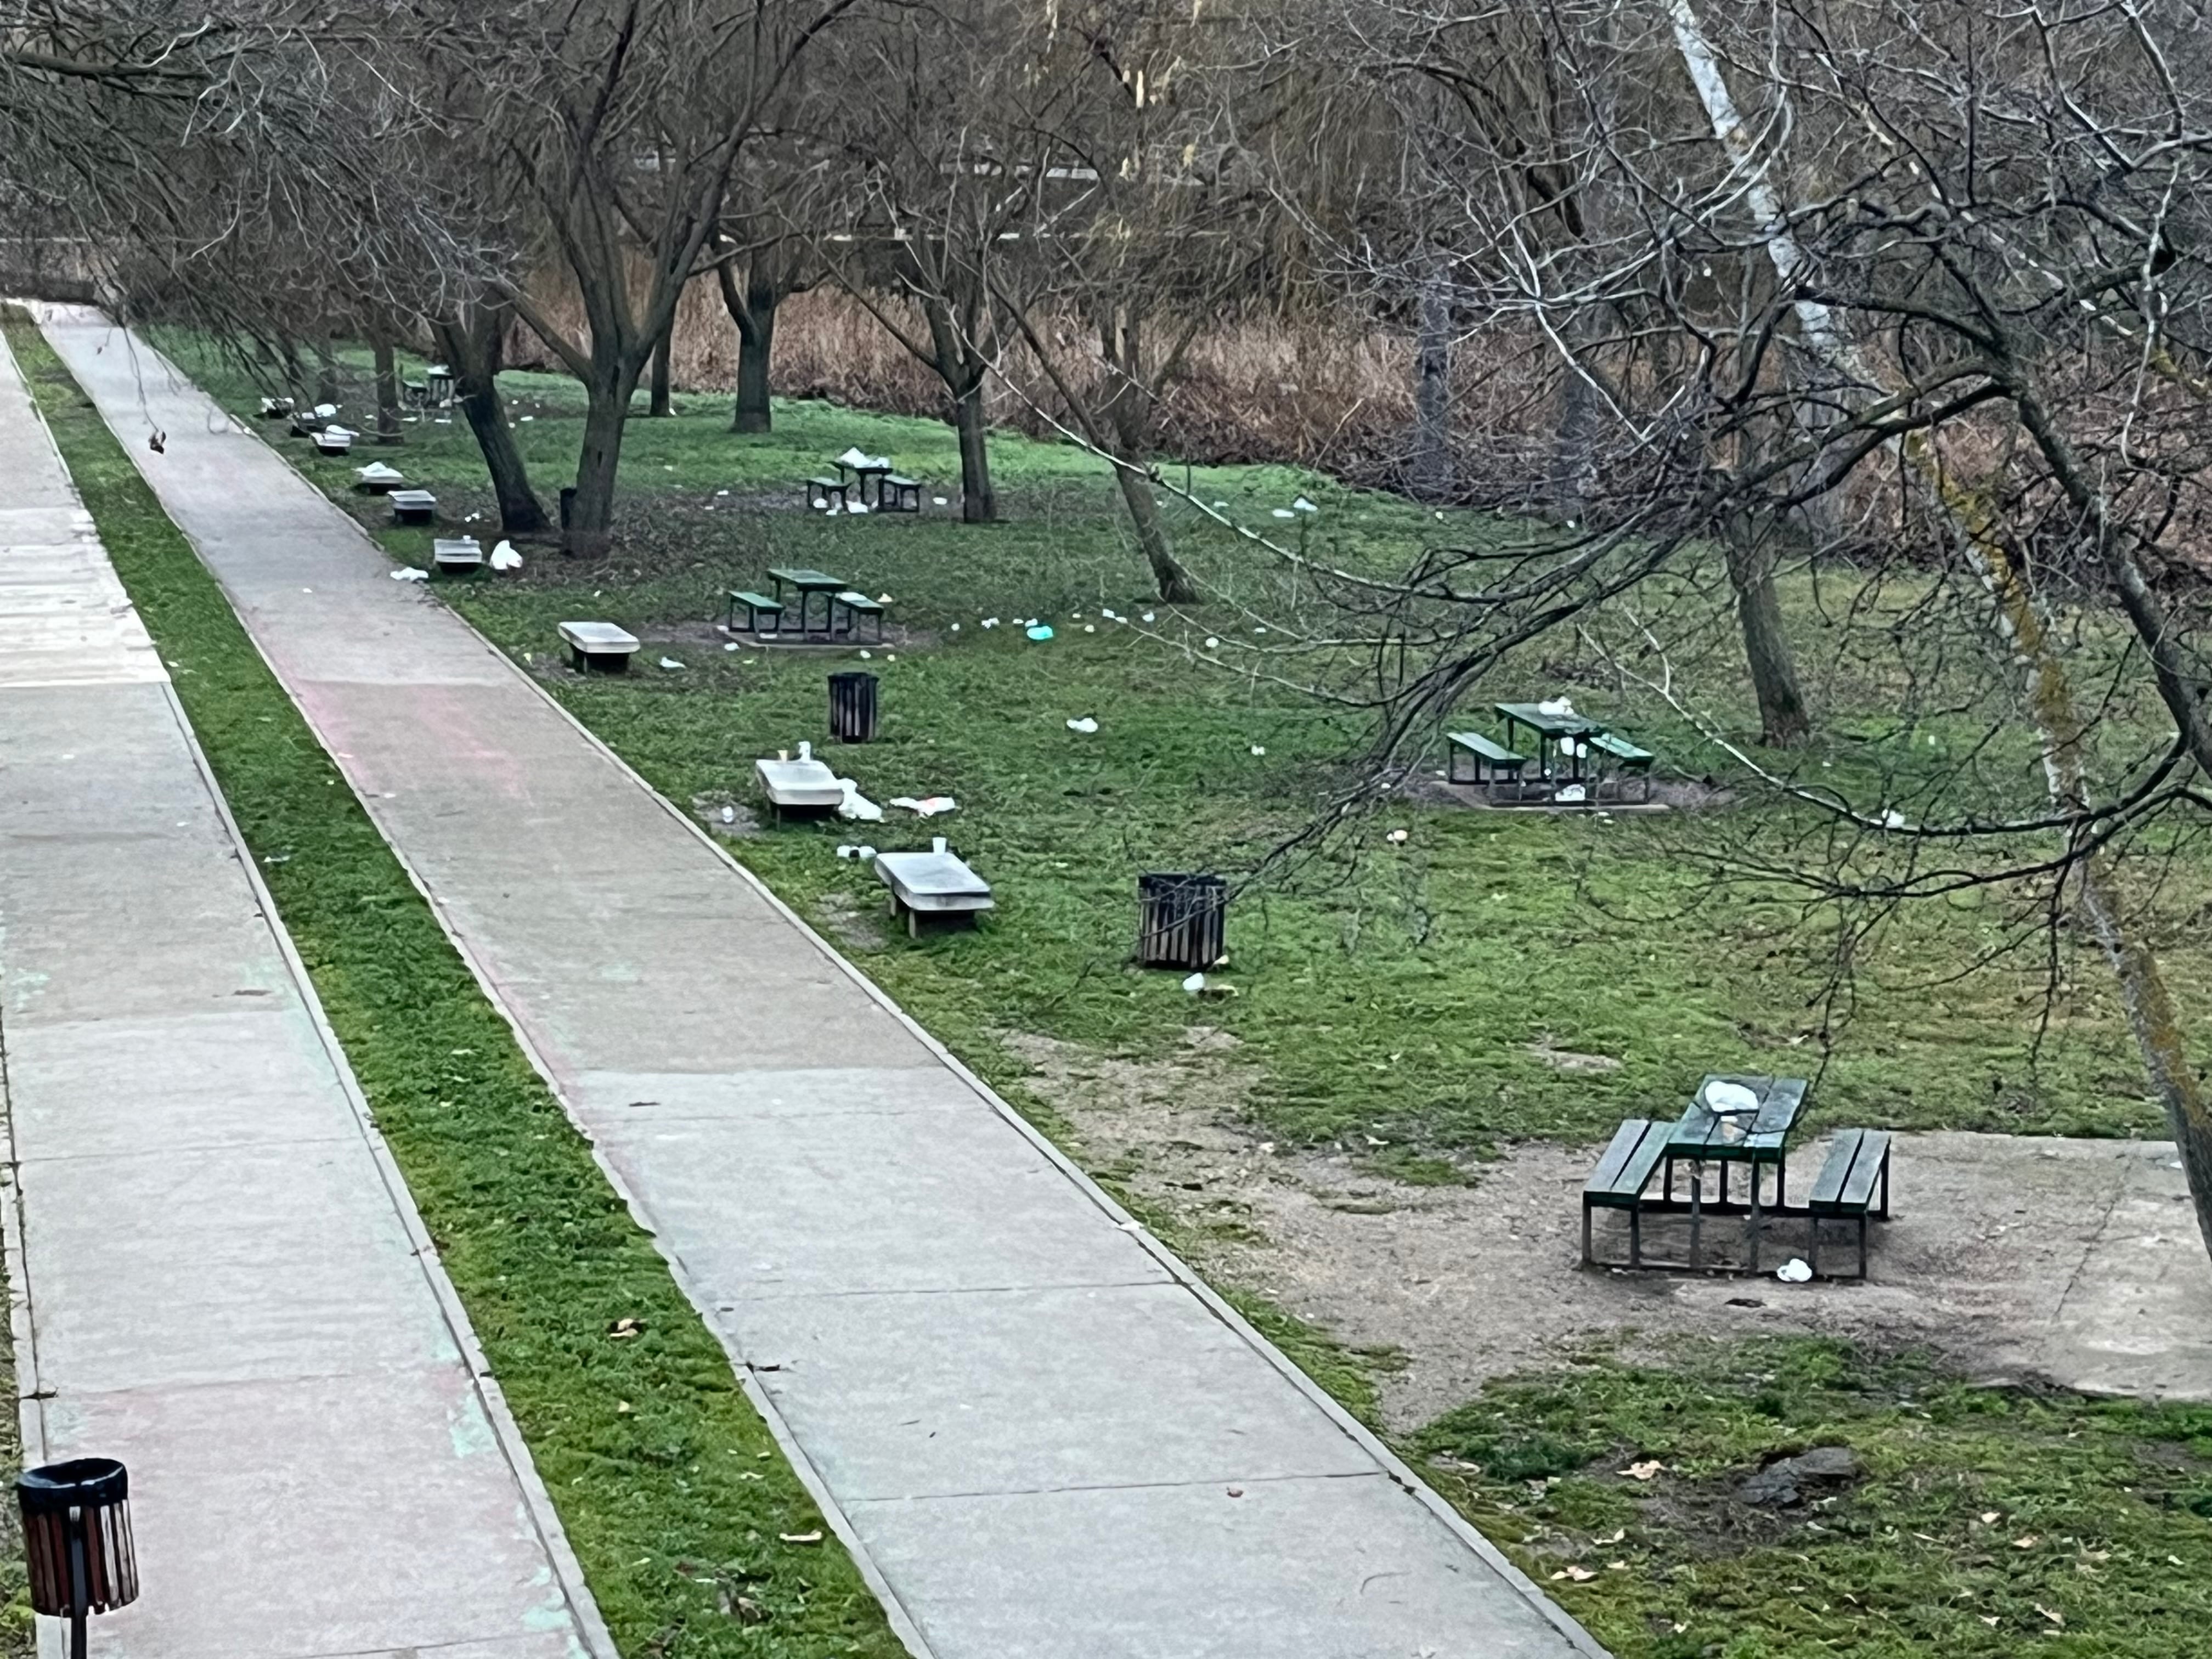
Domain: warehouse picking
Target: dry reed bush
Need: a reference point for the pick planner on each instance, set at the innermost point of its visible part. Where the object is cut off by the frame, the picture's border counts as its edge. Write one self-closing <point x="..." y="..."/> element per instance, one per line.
<point x="1255" y="389"/>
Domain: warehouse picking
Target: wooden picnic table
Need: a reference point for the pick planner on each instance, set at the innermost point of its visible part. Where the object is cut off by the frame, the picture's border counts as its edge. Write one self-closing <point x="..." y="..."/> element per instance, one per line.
<point x="864" y="470"/>
<point x="1553" y="731"/>
<point x="807" y="584"/>
<point x="1755" y="1139"/>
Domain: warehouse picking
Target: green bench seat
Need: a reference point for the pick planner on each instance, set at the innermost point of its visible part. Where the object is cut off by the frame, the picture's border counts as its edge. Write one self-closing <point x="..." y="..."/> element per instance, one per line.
<point x="898" y="494"/>
<point x="1625" y="757"/>
<point x="756" y="605"/>
<point x="821" y="492"/>
<point x="856" y="605"/>
<point x="1622" y="1174"/>
<point x="1853" y="1185"/>
<point x="1487" y="761"/>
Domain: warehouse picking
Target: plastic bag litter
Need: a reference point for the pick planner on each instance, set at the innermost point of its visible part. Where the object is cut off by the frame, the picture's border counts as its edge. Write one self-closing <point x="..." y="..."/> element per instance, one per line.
<point x="1194" y="984"/>
<point x="1212" y="644"/>
<point x="1284" y="513"/>
<point x="1148" y="615"/>
<point x="1039" y="632"/>
<point x="1794" y="1272"/>
<point x="1721" y="1096"/>
<point x="1085" y="726"/>
<point x="669" y="662"/>
<point x="1090" y="628"/>
<point x="1396" y="837"/>
<point x="504" y="557"/>
<point x="1259" y="748"/>
<point x="1301" y="505"/>
<point x="1556" y="706"/>
<point x="990" y="622"/>
<point x="938" y="500"/>
<point x="928" y="806"/>
<point x="855" y="457"/>
<point x="1570" y="793"/>
<point x="409" y="574"/>
<point x="856" y="806"/>
<point x="729" y="815"/>
<point x="326" y="410"/>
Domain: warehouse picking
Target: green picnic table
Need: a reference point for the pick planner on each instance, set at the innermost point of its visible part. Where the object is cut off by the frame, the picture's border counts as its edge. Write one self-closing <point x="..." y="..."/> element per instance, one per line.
<point x="1755" y="1139"/>
<point x="807" y="584"/>
<point x="1554" y="732"/>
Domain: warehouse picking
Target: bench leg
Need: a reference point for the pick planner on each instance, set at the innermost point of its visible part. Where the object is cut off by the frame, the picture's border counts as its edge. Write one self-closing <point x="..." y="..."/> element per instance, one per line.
<point x="1885" y="1187"/>
<point x="1751" y="1222"/>
<point x="1697" y="1216"/>
<point x="1813" y="1244"/>
<point x="1863" y="1221"/>
<point x="1636" y="1235"/>
<point x="1586" y="1208"/>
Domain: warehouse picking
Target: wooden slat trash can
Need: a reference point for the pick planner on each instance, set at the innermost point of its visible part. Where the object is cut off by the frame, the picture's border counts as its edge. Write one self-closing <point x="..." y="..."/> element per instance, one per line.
<point x="852" y="708"/>
<point x="1181" y="921"/>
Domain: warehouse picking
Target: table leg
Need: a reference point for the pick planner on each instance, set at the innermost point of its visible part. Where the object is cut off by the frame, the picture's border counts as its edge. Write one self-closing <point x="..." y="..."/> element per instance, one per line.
<point x="1698" y="1212"/>
<point x="1751" y="1222"/>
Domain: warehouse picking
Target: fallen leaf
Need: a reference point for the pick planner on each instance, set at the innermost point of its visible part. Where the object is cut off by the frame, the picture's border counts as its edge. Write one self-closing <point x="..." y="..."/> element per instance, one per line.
<point x="1642" y="1471"/>
<point x="814" y="1537"/>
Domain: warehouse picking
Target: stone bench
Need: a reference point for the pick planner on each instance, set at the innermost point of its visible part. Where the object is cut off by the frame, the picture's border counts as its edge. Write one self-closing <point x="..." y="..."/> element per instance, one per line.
<point x="804" y="785"/>
<point x="932" y="884"/>
<point x="413" y="506"/>
<point x="599" y="646"/>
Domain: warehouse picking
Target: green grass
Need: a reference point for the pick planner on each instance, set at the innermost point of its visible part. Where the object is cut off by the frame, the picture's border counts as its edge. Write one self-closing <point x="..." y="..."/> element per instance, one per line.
<point x="667" y="1481"/>
<point x="2096" y="1542"/>
<point x="1391" y="993"/>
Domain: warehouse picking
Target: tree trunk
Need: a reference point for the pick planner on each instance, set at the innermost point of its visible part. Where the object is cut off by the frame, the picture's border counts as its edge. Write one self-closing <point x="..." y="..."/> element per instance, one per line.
<point x="472" y="348"/>
<point x="327" y="371"/>
<point x="588" y="532"/>
<point x="1175" y="583"/>
<point x="1432" y="444"/>
<point x="755" y="316"/>
<point x="979" y="503"/>
<point x="387" y="392"/>
<point x="663" y="401"/>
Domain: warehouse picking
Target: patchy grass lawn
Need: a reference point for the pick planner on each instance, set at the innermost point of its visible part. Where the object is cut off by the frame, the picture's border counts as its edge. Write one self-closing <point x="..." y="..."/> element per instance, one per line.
<point x="1411" y="995"/>
<point x="668" y="1483"/>
<point x="1983" y="1523"/>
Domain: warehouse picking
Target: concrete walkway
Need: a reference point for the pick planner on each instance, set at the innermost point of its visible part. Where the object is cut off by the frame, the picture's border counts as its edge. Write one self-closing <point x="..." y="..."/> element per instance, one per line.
<point x="1041" y="1438"/>
<point x="218" y="1276"/>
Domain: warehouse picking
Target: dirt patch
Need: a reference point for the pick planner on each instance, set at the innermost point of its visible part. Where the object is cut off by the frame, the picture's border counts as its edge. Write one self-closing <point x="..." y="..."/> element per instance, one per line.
<point x="724" y="814"/>
<point x="2075" y="1261"/>
<point x="855" y="922"/>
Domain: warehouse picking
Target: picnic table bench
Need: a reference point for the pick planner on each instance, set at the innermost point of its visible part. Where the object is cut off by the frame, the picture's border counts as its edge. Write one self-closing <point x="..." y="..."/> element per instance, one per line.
<point x="898" y="494"/>
<point x="856" y="605"/>
<point x="806" y="583"/>
<point x="1620" y="1177"/>
<point x="863" y="470"/>
<point x="1488" y="763"/>
<point x="821" y="491"/>
<point x="1856" y="1171"/>
<point x="804" y="785"/>
<point x="452" y="556"/>
<point x="413" y="506"/>
<point x="1625" y="756"/>
<point x="936" y="883"/>
<point x="599" y="646"/>
<point x="757" y="606"/>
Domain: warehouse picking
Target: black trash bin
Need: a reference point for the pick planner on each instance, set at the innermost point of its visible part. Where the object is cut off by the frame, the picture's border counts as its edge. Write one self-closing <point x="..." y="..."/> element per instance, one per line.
<point x="77" y="1540"/>
<point x="852" y="708"/>
<point x="1181" y="921"/>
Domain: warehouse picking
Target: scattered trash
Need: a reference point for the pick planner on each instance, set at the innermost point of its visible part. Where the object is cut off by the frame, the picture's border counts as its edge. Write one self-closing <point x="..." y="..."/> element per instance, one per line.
<point x="1301" y="505"/>
<point x="866" y="655"/>
<point x="814" y="1537"/>
<point x="1110" y="616"/>
<point x="1642" y="1471"/>
<point x="1090" y="628"/>
<point x="409" y="573"/>
<point x="729" y="815"/>
<point x="1259" y="748"/>
<point x="529" y="418"/>
<point x="1893" y="819"/>
<point x="1284" y="513"/>
<point x="846" y="849"/>
<point x="856" y="806"/>
<point x="1086" y="725"/>
<point x="928" y="806"/>
<point x="1568" y="793"/>
<point x="1577" y="1575"/>
<point x="1259" y="631"/>
<point x="990" y="622"/>
<point x="1194" y="984"/>
<point x="326" y="410"/>
<point x="856" y="508"/>
<point x="731" y="646"/>
<point x="1794" y="1272"/>
<point x="1556" y="707"/>
<point x="1039" y="632"/>
<point x="1397" y="837"/>
<point x="1212" y="644"/>
<point x="1148" y="615"/>
<point x="938" y="500"/>
<point x="883" y="599"/>
<point x="854" y="458"/>
<point x="669" y="663"/>
<point x="720" y="493"/>
<point x="504" y="557"/>
<point x="956" y="628"/>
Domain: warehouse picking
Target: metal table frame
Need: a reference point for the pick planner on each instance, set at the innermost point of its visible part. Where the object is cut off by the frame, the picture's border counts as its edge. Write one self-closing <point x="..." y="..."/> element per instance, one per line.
<point x="806" y="583"/>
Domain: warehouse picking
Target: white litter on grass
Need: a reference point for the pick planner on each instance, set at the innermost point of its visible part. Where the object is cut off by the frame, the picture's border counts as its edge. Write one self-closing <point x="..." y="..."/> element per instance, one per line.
<point x="1148" y="615"/>
<point x="1570" y="793"/>
<point x="1086" y="725"/>
<point x="671" y="663"/>
<point x="1396" y="837"/>
<point x="1259" y="748"/>
<point x="864" y="655"/>
<point x="928" y="806"/>
<point x="504" y="557"/>
<point x="529" y="417"/>
<point x="1090" y="628"/>
<point x="720" y="493"/>
<point x="1301" y="505"/>
<point x="1893" y="819"/>
<point x="731" y="646"/>
<point x="1794" y="1272"/>
<point x="1212" y="643"/>
<point x="938" y="500"/>
<point x="990" y="622"/>
<point x="1110" y="616"/>
<point x="1557" y="707"/>
<point x="1284" y="513"/>
<point x="1194" y="984"/>
<point x="956" y="628"/>
<point x="856" y="805"/>
<point x="883" y="599"/>
<point x="409" y="574"/>
<point x="729" y="815"/>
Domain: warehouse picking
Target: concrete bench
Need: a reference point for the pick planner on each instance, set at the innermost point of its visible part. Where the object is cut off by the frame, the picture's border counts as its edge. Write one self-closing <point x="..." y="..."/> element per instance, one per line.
<point x="599" y="646"/>
<point x="413" y="506"/>
<point x="804" y="785"/>
<point x="334" y="440"/>
<point x="821" y="492"/>
<point x="1477" y="759"/>
<point x="377" y="479"/>
<point x="456" y="556"/>
<point x="1622" y="1174"/>
<point x="932" y="884"/>
<point x="856" y="606"/>
<point x="898" y="494"/>
<point x="756" y="607"/>
<point x="1853" y="1184"/>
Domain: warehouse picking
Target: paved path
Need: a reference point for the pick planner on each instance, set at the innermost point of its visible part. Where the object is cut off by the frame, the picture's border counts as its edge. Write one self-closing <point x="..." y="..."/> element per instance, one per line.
<point x="1043" y="1440"/>
<point x="216" y="1269"/>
